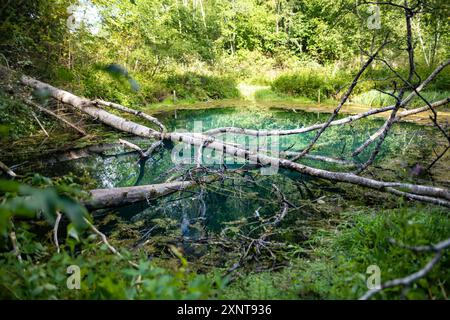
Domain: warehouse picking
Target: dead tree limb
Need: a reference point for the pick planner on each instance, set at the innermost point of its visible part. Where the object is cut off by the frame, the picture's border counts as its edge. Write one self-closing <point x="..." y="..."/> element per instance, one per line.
<point x="153" y="147"/>
<point x="409" y="14"/>
<point x="116" y="197"/>
<point x="106" y="242"/>
<point x="349" y="119"/>
<point x="87" y="106"/>
<point x="132" y="146"/>
<point x="408" y="280"/>
<point x="399" y="116"/>
<point x="130" y="111"/>
<point x="341" y="103"/>
<point x="7" y="170"/>
<point x="35" y="105"/>
<point x="438" y="157"/>
<point x="40" y="124"/>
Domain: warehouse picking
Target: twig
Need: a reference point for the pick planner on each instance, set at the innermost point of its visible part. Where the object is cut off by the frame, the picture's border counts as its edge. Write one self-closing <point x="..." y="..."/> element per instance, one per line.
<point x="15" y="244"/>
<point x="141" y="114"/>
<point x="438" y="157"/>
<point x="7" y="170"/>
<point x="132" y="146"/>
<point x="16" y="249"/>
<point x="39" y="123"/>
<point x="31" y="103"/>
<point x="106" y="242"/>
<point x="55" y="231"/>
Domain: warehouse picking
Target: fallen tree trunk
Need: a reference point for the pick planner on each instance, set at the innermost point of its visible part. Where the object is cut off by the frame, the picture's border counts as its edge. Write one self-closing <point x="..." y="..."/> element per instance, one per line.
<point x="266" y="160"/>
<point x="75" y="154"/>
<point x="429" y="194"/>
<point x="116" y="197"/>
<point x="86" y="106"/>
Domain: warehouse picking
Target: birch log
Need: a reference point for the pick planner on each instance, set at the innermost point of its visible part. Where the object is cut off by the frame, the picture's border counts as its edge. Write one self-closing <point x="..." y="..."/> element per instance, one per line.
<point x="116" y="197"/>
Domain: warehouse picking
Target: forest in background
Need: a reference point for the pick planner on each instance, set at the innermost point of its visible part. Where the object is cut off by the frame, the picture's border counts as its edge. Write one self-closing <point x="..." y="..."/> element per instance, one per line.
<point x="156" y="55"/>
<point x="203" y="49"/>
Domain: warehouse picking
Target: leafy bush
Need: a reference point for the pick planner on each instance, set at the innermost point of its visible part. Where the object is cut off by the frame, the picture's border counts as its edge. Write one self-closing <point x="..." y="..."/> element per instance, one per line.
<point x="43" y="274"/>
<point x="195" y="86"/>
<point x="41" y="196"/>
<point x="17" y="116"/>
<point x="95" y="83"/>
<point x="376" y="98"/>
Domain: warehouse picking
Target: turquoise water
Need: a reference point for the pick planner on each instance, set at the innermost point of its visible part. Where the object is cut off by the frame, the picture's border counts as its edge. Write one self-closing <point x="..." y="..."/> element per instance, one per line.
<point x="241" y="194"/>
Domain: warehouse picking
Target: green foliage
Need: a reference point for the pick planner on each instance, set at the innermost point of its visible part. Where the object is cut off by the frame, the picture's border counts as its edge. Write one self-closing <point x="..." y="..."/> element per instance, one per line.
<point x="308" y="83"/>
<point x="17" y="117"/>
<point x="25" y="44"/>
<point x="202" y="87"/>
<point x="41" y="196"/>
<point x="43" y="274"/>
<point x="366" y="241"/>
<point x="246" y="40"/>
<point x="376" y="98"/>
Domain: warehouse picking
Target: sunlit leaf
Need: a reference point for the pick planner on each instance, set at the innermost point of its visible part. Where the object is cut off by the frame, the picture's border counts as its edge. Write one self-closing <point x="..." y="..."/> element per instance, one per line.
<point x="72" y="232"/>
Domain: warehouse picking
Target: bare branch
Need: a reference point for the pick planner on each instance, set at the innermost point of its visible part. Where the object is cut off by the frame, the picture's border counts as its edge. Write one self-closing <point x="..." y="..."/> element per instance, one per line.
<point x="141" y="114"/>
<point x="341" y="103"/>
<point x="106" y="242"/>
<point x="7" y="170"/>
<point x="408" y="280"/>
<point x="35" y="105"/>
<point x="55" y="231"/>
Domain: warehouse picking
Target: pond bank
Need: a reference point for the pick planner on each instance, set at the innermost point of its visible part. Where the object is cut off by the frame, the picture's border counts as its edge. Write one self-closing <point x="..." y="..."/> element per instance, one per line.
<point x="348" y="109"/>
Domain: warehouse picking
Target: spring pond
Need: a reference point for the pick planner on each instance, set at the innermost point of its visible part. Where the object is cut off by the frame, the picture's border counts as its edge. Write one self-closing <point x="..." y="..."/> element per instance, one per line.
<point x="245" y="194"/>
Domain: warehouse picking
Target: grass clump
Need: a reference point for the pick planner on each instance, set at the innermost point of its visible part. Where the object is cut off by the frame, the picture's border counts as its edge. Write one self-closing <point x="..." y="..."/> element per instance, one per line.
<point x="312" y="82"/>
<point x="376" y="98"/>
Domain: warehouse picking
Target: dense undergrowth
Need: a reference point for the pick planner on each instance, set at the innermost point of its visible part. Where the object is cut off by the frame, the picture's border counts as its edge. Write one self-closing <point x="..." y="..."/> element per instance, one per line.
<point x="330" y="262"/>
<point x="312" y="83"/>
<point x="335" y="260"/>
